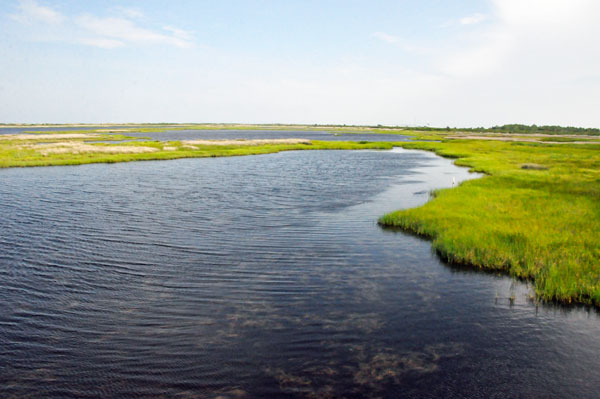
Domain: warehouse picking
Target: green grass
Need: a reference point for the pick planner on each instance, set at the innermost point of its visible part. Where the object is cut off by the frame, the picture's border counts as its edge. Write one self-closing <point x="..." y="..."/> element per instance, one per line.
<point x="567" y="139"/>
<point x="542" y="225"/>
<point x="535" y="215"/>
<point x="12" y="154"/>
<point x="510" y="128"/>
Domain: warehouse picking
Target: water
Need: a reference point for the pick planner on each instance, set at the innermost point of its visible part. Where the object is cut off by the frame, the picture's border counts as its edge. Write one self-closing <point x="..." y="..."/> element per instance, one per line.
<point x="262" y="277"/>
<point x="50" y="129"/>
<point x="265" y="134"/>
<point x="199" y="134"/>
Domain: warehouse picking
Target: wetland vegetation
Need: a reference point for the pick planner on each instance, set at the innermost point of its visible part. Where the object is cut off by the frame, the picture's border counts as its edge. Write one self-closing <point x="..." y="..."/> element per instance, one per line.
<point x="537" y="223"/>
<point x="76" y="149"/>
<point x="535" y="215"/>
<point x="193" y="257"/>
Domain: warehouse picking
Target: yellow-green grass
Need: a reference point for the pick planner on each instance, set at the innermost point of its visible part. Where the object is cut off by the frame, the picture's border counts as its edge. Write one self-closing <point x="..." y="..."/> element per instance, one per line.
<point x="18" y="154"/>
<point x="535" y="215"/>
<point x="541" y="222"/>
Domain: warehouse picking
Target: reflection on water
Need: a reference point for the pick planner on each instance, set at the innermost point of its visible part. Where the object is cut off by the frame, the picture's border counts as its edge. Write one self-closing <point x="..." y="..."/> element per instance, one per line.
<point x="262" y="276"/>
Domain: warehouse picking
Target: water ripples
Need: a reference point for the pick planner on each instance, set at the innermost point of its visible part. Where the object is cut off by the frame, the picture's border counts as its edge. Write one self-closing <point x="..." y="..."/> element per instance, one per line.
<point x="260" y="276"/>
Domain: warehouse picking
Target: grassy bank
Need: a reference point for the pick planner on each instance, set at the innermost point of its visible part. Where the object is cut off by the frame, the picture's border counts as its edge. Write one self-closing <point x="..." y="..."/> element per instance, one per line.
<point x="536" y="215"/>
<point x="20" y="153"/>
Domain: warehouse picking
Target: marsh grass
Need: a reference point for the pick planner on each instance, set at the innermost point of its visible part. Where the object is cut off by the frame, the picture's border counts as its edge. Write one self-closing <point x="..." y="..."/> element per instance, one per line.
<point x="538" y="223"/>
<point x="20" y="153"/>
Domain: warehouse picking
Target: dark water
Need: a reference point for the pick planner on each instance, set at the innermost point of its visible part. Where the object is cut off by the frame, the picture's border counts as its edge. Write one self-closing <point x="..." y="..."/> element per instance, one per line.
<point x="265" y="134"/>
<point x="195" y="134"/>
<point x="261" y="277"/>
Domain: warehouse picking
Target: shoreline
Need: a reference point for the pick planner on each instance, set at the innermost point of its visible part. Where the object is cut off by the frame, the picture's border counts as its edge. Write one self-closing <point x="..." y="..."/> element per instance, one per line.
<point x="535" y="223"/>
<point x="515" y="220"/>
<point x="20" y="154"/>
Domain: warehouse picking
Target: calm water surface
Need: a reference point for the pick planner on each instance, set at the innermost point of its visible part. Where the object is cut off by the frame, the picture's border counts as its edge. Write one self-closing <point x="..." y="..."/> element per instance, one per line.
<point x="261" y="277"/>
<point x="197" y="134"/>
<point x="265" y="134"/>
<point x="50" y="129"/>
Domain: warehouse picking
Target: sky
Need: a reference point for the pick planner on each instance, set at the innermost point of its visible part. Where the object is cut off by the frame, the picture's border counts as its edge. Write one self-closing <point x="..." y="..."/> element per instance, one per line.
<point x="463" y="63"/>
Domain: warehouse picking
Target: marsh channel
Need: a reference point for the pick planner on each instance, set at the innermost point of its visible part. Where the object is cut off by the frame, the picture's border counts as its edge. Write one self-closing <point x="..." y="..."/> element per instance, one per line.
<point x="262" y="277"/>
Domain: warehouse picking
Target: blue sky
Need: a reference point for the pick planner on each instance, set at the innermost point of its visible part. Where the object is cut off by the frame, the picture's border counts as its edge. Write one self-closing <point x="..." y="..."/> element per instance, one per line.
<point x="425" y="62"/>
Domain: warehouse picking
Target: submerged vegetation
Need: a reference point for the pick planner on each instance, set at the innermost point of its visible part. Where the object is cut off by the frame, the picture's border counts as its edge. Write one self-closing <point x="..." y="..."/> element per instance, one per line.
<point x="536" y="215"/>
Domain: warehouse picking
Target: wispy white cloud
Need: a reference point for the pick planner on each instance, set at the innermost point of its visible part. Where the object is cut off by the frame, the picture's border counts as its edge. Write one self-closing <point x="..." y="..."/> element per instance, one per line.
<point x="179" y="33"/>
<point x="129" y="12"/>
<point x="103" y="32"/>
<point x="385" y="37"/>
<point x="400" y="43"/>
<point x="473" y="19"/>
<point x="101" y="42"/>
<point x="127" y="31"/>
<point x="528" y="61"/>
<point x="30" y="12"/>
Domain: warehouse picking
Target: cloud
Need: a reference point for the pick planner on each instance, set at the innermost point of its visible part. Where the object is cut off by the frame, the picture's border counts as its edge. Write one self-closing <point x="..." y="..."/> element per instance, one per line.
<point x="178" y="33"/>
<point x="385" y="37"/>
<point x="30" y="12"/>
<point x="473" y="19"/>
<point x="402" y="44"/>
<point x="129" y="12"/>
<point x="529" y="33"/>
<point x="537" y="61"/>
<point x="483" y="59"/>
<point x="102" y="43"/>
<point x="531" y="61"/>
<point x="126" y="31"/>
<point x="91" y="30"/>
<point x="546" y="13"/>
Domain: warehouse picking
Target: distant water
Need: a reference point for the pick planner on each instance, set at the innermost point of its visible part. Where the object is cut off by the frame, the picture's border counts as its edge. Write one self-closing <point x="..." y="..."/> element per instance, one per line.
<point x="196" y="134"/>
<point x="266" y="134"/>
<point x="19" y="130"/>
<point x="262" y="277"/>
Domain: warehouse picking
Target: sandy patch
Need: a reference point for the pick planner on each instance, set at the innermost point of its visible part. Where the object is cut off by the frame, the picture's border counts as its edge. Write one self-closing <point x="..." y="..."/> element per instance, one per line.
<point x="168" y="148"/>
<point x="81" y="148"/>
<point x="59" y="136"/>
<point x="247" y="142"/>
